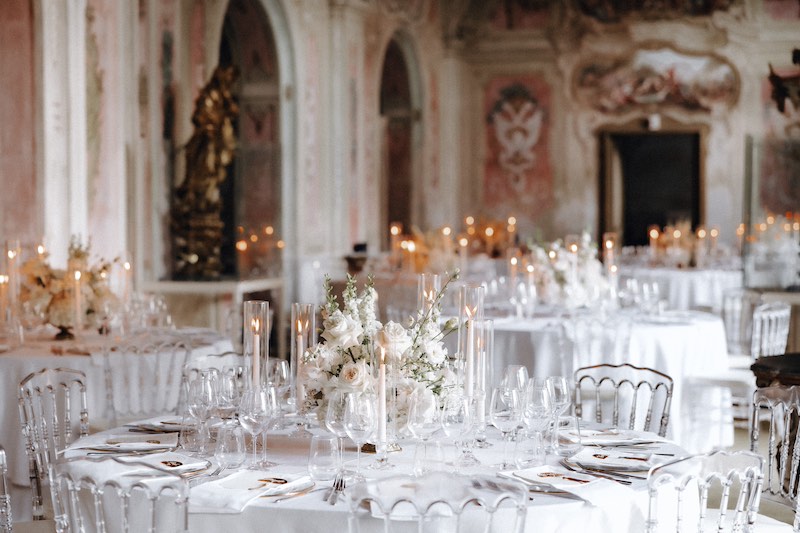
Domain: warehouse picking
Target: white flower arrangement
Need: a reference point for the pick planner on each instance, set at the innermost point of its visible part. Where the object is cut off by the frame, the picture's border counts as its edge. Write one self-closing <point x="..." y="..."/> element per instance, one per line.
<point x="52" y="291"/>
<point x="347" y="357"/>
<point x="570" y="278"/>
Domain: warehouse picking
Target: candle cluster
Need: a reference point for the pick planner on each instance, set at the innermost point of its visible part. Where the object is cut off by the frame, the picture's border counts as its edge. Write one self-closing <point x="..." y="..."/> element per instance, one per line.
<point x="678" y="246"/>
<point x="259" y="252"/>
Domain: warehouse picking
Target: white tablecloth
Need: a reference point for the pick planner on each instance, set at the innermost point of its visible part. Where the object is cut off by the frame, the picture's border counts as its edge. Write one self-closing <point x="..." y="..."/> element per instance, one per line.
<point x="35" y="355"/>
<point x="679" y="344"/>
<point x="687" y="288"/>
<point x="617" y="508"/>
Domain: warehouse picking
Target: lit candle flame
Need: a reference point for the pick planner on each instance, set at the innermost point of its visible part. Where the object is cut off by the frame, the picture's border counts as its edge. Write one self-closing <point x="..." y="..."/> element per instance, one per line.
<point x="412" y="246"/>
<point x="126" y="265"/>
<point x="514" y="261"/>
<point x="676" y="234"/>
<point x="609" y="244"/>
<point x="463" y="242"/>
<point x="529" y="268"/>
<point x="299" y="327"/>
<point x="255" y="325"/>
<point x="446" y="231"/>
<point x="489" y="231"/>
<point x="701" y="233"/>
<point x="714" y="232"/>
<point x="77" y="275"/>
<point x="40" y="249"/>
<point x="469" y="220"/>
<point x="512" y="220"/>
<point x="654" y="233"/>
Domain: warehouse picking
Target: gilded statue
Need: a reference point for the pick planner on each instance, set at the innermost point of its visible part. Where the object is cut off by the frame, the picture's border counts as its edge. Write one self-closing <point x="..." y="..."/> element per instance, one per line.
<point x="196" y="214"/>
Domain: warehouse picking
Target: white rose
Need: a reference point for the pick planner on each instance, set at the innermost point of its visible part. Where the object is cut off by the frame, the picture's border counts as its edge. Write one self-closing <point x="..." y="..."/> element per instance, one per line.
<point x="435" y="353"/>
<point x="341" y="330"/>
<point x="394" y="339"/>
<point x="354" y="376"/>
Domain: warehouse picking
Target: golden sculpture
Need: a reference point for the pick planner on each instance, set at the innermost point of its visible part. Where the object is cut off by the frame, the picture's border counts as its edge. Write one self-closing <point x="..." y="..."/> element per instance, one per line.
<point x="196" y="204"/>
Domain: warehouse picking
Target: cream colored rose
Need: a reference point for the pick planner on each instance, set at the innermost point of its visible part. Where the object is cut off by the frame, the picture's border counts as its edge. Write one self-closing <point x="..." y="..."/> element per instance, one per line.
<point x="341" y="330"/>
<point x="394" y="339"/>
<point x="354" y="376"/>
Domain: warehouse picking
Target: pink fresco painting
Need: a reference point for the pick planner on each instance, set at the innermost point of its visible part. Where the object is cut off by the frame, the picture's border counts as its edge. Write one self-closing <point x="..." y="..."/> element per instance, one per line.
<point x="784" y="10"/>
<point x="517" y="172"/>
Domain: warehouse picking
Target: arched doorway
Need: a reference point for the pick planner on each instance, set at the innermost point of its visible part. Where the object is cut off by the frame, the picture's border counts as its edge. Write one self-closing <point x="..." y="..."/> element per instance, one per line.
<point x="399" y="117"/>
<point x="252" y="209"/>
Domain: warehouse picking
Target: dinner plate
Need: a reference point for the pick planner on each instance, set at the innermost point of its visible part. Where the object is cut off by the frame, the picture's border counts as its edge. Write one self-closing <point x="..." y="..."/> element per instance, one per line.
<point x="606" y="436"/>
<point x="611" y="460"/>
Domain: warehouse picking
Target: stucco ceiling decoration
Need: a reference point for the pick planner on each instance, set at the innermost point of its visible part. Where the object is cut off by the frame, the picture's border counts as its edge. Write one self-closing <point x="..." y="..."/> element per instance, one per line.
<point x="656" y="76"/>
<point x="619" y="10"/>
<point x="409" y="9"/>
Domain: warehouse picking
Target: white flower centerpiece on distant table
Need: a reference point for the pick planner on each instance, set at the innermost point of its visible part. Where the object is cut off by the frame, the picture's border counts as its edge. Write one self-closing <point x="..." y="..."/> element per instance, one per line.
<point x="347" y="358"/>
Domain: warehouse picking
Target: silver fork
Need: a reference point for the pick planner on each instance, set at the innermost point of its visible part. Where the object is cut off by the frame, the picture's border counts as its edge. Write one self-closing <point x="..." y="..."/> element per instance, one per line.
<point x="338" y="488"/>
<point x="588" y="472"/>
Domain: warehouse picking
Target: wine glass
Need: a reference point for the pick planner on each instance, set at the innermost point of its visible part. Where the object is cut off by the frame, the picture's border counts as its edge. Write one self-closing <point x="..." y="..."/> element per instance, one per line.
<point x="257" y="408"/>
<point x="560" y="393"/>
<point x="360" y="421"/>
<point x="505" y="413"/>
<point x="279" y="377"/>
<point x="231" y="450"/>
<point x="422" y="422"/>
<point x="515" y="377"/>
<point x="457" y="423"/>
<point x="536" y="415"/>
<point x="227" y="397"/>
<point x="201" y="399"/>
<point x="334" y="418"/>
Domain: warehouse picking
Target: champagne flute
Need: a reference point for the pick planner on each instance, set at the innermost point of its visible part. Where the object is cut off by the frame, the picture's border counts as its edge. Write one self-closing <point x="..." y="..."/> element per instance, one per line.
<point x="360" y="421"/>
<point x="279" y="377"/>
<point x="561" y="398"/>
<point x="505" y="413"/>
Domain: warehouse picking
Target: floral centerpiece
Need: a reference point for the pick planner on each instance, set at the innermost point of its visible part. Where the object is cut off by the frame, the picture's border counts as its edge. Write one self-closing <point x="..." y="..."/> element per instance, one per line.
<point x="51" y="291"/>
<point x="572" y="275"/>
<point x="346" y="359"/>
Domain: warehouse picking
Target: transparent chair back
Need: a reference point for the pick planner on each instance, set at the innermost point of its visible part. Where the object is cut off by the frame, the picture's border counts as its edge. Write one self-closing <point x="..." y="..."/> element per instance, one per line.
<point x="770" y="329"/>
<point x="625" y="396"/>
<point x="438" y="502"/>
<point x="737" y="316"/>
<point x="781" y="472"/>
<point x="679" y="493"/>
<point x="53" y="413"/>
<point x="5" y="496"/>
<point x="100" y="494"/>
<point x="143" y="378"/>
<point x="598" y="338"/>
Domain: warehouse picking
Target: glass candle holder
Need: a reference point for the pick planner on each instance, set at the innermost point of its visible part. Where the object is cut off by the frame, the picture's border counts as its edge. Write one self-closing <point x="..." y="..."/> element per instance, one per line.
<point x="255" y="335"/>
<point x="12" y="258"/>
<point x="428" y="287"/>
<point x="303" y="332"/>
<point x="483" y="375"/>
<point x="470" y="308"/>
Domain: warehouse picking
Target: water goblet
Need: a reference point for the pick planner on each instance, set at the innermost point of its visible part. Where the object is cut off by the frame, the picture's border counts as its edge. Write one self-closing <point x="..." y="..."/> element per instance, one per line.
<point x="257" y="408"/>
<point x="505" y="413"/>
<point x="200" y="401"/>
<point x="536" y="415"/>
<point x="360" y="421"/>
<point x="515" y="377"/>
<point x="423" y="421"/>
<point x="457" y="423"/>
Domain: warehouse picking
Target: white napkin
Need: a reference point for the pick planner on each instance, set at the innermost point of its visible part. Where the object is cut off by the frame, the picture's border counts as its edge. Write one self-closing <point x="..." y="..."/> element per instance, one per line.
<point x="619" y="460"/>
<point x="597" y="492"/>
<point x="235" y="492"/>
<point x="171" y="462"/>
<point x="608" y="436"/>
<point x="127" y="442"/>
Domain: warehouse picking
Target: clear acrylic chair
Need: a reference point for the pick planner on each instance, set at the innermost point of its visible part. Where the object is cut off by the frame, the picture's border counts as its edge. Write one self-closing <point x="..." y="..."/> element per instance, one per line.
<point x="776" y="410"/>
<point x="770" y="329"/>
<point x="53" y="413"/>
<point x="598" y="338"/>
<point x="625" y="396"/>
<point x="737" y="316"/>
<point x="115" y="494"/>
<point x="5" y="496"/>
<point x="143" y="378"/>
<point x="439" y="501"/>
<point x="679" y="493"/>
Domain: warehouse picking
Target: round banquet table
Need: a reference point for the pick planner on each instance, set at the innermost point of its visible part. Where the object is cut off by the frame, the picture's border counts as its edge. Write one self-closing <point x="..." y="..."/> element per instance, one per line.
<point x="608" y="506"/>
<point x="85" y="355"/>
<point x="687" y="288"/>
<point x="681" y="344"/>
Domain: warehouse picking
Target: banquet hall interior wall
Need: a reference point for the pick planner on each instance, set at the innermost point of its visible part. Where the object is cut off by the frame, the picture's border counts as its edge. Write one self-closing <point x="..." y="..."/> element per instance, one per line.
<point x="83" y="149"/>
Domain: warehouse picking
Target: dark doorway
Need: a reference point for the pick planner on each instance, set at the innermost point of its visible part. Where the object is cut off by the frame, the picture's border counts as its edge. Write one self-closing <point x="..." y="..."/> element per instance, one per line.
<point x="396" y="110"/>
<point x="649" y="178"/>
